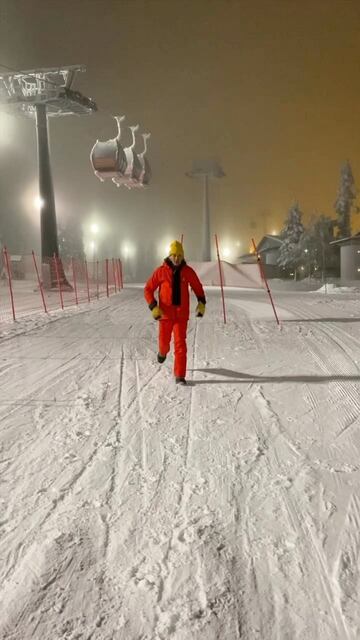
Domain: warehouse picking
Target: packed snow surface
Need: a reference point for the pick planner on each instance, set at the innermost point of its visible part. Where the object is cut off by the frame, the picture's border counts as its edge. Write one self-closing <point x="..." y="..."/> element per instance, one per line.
<point x="131" y="509"/>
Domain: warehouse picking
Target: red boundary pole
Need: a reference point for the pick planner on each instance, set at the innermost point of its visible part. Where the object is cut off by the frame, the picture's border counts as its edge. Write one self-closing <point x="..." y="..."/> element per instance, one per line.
<point x="262" y="274"/>
<point x="39" y="282"/>
<point x="74" y="278"/>
<point x="117" y="262"/>
<point x="6" y="255"/>
<point x="97" y="279"/>
<point x="58" y="281"/>
<point x="87" y="281"/>
<point x="221" y="277"/>
<point x="107" y="276"/>
<point x="117" y="273"/>
<point x="114" y="273"/>
<point x="121" y="274"/>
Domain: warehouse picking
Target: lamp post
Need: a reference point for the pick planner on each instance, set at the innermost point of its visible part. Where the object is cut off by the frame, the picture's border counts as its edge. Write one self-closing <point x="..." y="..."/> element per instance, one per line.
<point x="206" y="169"/>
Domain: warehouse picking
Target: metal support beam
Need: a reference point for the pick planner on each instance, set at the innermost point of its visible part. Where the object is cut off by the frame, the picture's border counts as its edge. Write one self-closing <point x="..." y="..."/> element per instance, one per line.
<point x="49" y="240"/>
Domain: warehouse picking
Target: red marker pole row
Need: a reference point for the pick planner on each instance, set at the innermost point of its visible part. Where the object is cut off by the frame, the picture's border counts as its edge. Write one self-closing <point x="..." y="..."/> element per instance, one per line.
<point x="58" y="280"/>
<point x="117" y="274"/>
<point x="121" y="274"/>
<point x="87" y="281"/>
<point x="114" y="273"/>
<point x="107" y="276"/>
<point x="39" y="282"/>
<point x="74" y="279"/>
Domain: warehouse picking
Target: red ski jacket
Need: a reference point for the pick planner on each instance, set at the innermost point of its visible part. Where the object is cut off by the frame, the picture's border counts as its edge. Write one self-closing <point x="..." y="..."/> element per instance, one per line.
<point x="173" y="284"/>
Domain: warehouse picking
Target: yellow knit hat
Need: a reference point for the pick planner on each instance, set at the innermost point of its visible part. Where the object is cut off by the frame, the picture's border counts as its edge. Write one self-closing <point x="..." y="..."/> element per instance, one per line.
<point x="176" y="249"/>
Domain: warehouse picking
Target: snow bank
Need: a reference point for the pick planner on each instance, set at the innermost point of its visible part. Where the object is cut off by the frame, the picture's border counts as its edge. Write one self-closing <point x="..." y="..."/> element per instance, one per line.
<point x="334" y="288"/>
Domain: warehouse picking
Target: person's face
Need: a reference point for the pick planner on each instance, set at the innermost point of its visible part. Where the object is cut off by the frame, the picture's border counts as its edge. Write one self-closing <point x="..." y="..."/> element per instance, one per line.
<point x="176" y="259"/>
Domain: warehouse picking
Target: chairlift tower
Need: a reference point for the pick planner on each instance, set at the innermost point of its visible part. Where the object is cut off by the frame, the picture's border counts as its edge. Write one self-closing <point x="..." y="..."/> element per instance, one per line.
<point x="206" y="169"/>
<point x="41" y="94"/>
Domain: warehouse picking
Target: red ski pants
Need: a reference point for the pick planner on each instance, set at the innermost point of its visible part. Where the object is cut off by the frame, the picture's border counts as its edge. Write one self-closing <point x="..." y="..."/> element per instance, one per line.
<point x="179" y="327"/>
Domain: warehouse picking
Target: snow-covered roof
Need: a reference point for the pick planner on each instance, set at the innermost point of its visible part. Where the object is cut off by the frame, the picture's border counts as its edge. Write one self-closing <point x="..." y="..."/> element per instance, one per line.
<point x="356" y="237"/>
<point x="269" y="242"/>
<point x="248" y="257"/>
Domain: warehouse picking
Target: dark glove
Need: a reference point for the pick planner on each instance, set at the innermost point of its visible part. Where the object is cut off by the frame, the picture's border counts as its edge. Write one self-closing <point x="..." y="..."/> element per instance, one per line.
<point x="200" y="310"/>
<point x="156" y="313"/>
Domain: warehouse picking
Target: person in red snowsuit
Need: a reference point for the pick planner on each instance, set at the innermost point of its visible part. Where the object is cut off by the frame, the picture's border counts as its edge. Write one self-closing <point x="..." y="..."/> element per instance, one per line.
<point x="173" y="279"/>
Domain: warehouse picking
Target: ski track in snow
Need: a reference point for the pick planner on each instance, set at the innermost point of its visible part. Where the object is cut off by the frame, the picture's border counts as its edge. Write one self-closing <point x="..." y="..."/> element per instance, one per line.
<point x="131" y="508"/>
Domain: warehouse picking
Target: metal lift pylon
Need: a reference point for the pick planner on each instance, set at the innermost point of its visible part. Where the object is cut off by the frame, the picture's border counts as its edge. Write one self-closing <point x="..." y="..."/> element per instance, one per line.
<point x="40" y="94"/>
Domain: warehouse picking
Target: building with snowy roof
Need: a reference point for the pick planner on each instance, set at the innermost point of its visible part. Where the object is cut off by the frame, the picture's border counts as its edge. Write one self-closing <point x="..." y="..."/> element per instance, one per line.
<point x="349" y="257"/>
<point x="268" y="248"/>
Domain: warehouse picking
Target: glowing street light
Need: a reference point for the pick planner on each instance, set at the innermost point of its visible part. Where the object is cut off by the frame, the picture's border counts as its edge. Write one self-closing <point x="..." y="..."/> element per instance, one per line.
<point x="128" y="250"/>
<point x="39" y="202"/>
<point x="94" y="227"/>
<point x="165" y="250"/>
<point x="162" y="248"/>
<point x="226" y="252"/>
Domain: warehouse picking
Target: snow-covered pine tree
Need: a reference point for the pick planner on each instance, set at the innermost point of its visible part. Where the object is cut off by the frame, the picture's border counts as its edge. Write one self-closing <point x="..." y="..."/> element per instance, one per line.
<point x="290" y="254"/>
<point x="320" y="256"/>
<point x="344" y="201"/>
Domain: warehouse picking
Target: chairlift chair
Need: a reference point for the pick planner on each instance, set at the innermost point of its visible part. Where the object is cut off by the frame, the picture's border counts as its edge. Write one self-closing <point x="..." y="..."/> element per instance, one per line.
<point x="145" y="175"/>
<point x="134" y="168"/>
<point x="108" y="158"/>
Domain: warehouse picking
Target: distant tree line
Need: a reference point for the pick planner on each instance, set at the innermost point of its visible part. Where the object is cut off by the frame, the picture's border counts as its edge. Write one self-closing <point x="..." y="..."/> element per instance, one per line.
<point x="307" y="250"/>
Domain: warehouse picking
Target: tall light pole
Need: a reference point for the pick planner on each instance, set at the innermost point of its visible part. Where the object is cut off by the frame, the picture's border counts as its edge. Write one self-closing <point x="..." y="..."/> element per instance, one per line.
<point x="40" y="94"/>
<point x="206" y="169"/>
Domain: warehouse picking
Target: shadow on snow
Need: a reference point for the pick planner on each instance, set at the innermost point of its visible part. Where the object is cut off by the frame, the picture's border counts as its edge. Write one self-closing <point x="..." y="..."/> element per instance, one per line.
<point x="238" y="377"/>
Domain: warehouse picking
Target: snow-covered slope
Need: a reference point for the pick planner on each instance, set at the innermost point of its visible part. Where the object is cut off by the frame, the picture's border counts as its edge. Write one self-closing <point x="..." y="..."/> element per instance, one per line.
<point x="132" y="509"/>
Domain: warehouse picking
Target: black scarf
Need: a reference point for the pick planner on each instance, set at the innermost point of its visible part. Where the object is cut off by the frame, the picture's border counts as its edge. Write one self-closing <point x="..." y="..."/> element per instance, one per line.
<point x="176" y="282"/>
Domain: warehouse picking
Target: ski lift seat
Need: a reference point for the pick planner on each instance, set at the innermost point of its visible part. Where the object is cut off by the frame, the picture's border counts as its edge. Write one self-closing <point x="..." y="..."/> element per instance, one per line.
<point x="133" y="163"/>
<point x="145" y="174"/>
<point x="108" y="159"/>
<point x="132" y="172"/>
<point x="122" y="165"/>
